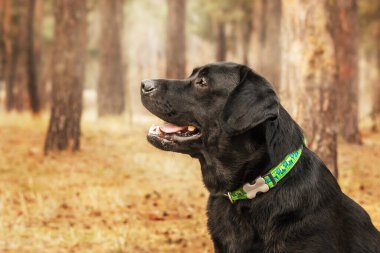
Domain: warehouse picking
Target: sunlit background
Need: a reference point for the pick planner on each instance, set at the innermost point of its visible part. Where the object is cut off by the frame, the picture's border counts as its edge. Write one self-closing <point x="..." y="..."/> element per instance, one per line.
<point x="116" y="193"/>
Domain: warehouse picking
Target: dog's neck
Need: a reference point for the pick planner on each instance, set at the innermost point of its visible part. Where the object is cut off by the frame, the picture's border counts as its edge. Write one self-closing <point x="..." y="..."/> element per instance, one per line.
<point x="226" y="168"/>
<point x="283" y="136"/>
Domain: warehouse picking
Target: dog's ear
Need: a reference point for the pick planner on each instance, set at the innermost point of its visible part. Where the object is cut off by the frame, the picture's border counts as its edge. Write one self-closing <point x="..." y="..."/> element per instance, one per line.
<point x="252" y="102"/>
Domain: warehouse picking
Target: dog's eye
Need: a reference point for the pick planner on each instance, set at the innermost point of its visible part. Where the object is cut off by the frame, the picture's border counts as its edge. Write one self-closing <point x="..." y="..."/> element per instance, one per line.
<point x="201" y="82"/>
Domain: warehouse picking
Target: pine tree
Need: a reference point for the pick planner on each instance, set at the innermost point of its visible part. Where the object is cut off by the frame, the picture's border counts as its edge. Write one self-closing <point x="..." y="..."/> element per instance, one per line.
<point x="344" y="27"/>
<point x="309" y="75"/>
<point x="68" y="75"/>
<point x="111" y="92"/>
<point x="269" y="41"/>
<point x="175" y="40"/>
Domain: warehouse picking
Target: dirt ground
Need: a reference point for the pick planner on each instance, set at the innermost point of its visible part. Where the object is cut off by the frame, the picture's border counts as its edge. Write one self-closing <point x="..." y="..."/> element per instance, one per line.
<point x="119" y="194"/>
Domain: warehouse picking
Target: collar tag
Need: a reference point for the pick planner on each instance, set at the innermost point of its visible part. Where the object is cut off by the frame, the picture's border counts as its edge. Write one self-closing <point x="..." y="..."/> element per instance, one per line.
<point x="253" y="189"/>
<point x="249" y="191"/>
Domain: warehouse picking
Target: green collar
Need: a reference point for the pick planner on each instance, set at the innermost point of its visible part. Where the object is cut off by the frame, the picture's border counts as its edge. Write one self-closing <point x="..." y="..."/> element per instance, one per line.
<point x="269" y="180"/>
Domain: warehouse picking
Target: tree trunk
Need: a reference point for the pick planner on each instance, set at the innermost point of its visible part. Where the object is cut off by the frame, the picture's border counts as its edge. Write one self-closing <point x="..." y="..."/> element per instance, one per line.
<point x="175" y="41"/>
<point x="19" y="68"/>
<point x="16" y="57"/>
<point x="220" y="41"/>
<point x="309" y="75"/>
<point x="68" y="75"/>
<point x="111" y="92"/>
<point x="344" y="27"/>
<point x="31" y="61"/>
<point x="247" y="27"/>
<point x="270" y="42"/>
<point x="376" y="86"/>
<point x="4" y="23"/>
<point x="41" y="55"/>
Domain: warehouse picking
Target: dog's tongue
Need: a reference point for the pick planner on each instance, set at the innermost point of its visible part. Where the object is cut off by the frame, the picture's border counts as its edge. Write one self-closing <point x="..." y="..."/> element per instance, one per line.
<point x="170" y="128"/>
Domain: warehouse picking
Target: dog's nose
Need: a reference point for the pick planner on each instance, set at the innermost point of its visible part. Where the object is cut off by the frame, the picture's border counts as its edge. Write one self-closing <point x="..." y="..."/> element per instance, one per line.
<point x="148" y="86"/>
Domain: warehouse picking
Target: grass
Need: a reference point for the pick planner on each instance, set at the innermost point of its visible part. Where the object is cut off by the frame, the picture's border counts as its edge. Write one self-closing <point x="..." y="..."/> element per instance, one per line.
<point x="119" y="194"/>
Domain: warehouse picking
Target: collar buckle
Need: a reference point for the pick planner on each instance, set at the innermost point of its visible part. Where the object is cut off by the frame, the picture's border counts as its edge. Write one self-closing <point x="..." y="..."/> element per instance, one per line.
<point x="228" y="195"/>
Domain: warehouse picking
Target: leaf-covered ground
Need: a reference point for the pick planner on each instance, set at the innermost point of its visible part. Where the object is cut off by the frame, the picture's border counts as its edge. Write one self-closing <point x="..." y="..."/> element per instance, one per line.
<point x="119" y="194"/>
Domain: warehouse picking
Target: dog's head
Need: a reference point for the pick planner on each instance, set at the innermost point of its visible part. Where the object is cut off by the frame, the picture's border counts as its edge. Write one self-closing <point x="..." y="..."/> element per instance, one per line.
<point x="215" y="104"/>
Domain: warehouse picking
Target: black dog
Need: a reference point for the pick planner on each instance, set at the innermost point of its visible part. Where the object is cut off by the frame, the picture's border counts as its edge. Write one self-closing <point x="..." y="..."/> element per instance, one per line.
<point x="229" y="118"/>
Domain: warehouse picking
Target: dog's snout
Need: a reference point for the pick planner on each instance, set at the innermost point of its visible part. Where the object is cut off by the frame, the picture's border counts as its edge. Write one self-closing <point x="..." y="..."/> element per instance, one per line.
<point x="148" y="86"/>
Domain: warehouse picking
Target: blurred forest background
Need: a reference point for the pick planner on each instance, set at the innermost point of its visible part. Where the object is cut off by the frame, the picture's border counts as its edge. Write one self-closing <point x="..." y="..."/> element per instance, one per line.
<point x="76" y="172"/>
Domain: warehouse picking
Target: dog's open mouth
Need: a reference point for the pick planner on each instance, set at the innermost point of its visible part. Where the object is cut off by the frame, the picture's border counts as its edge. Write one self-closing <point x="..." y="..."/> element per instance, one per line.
<point x="171" y="132"/>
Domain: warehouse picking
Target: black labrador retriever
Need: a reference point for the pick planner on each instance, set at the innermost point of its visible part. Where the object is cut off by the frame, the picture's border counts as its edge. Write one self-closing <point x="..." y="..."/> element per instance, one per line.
<point x="230" y="118"/>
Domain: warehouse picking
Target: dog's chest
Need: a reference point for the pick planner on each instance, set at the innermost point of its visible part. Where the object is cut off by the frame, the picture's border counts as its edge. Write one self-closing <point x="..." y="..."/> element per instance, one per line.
<point x="233" y="227"/>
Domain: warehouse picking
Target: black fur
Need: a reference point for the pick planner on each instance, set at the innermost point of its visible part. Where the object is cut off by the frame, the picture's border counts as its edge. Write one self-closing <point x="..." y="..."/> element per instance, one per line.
<point x="245" y="132"/>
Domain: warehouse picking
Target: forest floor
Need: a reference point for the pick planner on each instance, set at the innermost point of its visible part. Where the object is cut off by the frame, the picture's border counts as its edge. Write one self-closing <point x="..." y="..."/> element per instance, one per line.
<point x="119" y="194"/>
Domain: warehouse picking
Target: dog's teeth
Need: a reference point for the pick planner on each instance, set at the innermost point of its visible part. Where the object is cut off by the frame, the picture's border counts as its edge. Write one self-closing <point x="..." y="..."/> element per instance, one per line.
<point x="191" y="128"/>
<point x="152" y="129"/>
